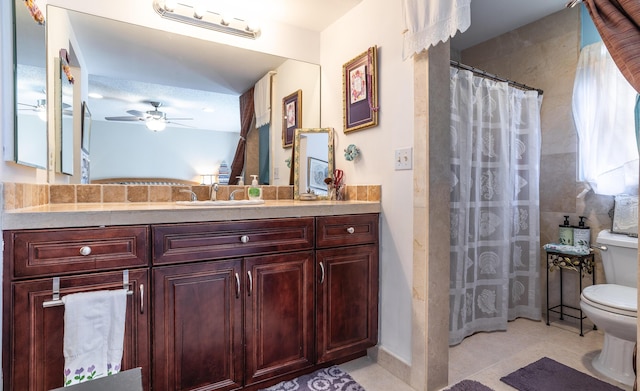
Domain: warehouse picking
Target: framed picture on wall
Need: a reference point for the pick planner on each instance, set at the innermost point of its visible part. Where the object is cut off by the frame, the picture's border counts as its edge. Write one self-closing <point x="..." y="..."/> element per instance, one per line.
<point x="360" y="91"/>
<point x="291" y="117"/>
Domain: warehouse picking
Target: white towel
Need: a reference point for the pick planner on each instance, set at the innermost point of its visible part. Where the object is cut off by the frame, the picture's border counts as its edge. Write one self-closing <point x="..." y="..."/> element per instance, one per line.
<point x="93" y="334"/>
<point x="262" y="100"/>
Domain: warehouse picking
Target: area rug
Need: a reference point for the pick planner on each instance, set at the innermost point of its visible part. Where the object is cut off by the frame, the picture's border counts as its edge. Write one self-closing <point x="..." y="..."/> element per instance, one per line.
<point x="469" y="385"/>
<point x="547" y="374"/>
<point x="327" y="379"/>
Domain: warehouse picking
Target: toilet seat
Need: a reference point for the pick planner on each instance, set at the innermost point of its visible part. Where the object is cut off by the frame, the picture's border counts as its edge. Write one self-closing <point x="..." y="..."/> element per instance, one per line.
<point x="618" y="299"/>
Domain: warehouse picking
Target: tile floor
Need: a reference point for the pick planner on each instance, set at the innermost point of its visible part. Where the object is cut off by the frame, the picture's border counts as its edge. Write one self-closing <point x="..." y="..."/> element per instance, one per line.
<point x="485" y="357"/>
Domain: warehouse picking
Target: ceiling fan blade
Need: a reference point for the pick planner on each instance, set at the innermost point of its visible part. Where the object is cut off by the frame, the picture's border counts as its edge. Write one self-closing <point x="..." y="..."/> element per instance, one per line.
<point x="25" y="104"/>
<point x="124" y="118"/>
<point x="137" y="113"/>
<point x="66" y="105"/>
<point x="177" y="123"/>
<point x="179" y="119"/>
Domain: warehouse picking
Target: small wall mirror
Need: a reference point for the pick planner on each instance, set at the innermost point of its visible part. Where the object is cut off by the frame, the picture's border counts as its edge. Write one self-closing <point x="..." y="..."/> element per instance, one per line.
<point x="30" y="94"/>
<point x="313" y="161"/>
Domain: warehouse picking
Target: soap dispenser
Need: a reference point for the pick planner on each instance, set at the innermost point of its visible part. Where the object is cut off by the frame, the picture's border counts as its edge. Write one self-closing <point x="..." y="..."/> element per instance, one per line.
<point x="565" y="232"/>
<point x="582" y="234"/>
<point x="254" y="192"/>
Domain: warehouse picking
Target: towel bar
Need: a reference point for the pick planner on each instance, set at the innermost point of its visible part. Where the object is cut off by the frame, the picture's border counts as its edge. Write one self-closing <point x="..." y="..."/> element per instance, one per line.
<point x="56" y="301"/>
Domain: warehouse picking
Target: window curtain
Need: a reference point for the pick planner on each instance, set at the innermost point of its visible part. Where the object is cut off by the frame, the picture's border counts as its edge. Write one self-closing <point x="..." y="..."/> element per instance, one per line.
<point x="247" y="121"/>
<point x="427" y="22"/>
<point x="262" y="100"/>
<point x="603" y="112"/>
<point x="494" y="205"/>
<point x="618" y="22"/>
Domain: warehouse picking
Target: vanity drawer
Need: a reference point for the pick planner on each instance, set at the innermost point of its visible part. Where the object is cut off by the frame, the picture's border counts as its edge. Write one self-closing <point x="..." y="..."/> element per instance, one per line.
<point x="178" y="243"/>
<point x="346" y="230"/>
<point x="70" y="250"/>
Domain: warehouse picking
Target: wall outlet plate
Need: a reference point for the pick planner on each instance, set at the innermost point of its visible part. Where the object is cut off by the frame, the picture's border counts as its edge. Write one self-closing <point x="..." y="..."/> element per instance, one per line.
<point x="404" y="159"/>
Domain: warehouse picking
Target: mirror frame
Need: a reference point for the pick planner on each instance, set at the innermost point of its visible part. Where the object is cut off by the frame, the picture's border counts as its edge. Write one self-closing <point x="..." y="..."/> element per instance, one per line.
<point x="296" y="156"/>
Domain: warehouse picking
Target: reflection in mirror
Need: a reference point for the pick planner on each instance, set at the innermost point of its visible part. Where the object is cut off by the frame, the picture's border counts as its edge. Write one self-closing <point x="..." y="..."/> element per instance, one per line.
<point x="64" y="113"/>
<point x="30" y="97"/>
<point x="313" y="161"/>
<point x="197" y="84"/>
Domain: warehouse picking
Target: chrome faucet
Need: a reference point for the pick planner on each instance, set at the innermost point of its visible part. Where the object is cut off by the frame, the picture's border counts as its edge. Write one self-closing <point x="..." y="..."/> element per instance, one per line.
<point x="193" y="195"/>
<point x="214" y="192"/>
<point x="232" y="196"/>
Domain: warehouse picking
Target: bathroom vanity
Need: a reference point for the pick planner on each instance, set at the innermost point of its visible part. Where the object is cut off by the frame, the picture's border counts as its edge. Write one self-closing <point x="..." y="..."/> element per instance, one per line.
<point x="218" y="300"/>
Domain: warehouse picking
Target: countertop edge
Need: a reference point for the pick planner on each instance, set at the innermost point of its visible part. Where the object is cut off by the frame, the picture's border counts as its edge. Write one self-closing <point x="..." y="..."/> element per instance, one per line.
<point x="95" y="215"/>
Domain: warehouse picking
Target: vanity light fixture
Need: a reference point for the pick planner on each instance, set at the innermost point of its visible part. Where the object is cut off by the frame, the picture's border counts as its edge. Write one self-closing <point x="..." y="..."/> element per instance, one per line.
<point x="198" y="16"/>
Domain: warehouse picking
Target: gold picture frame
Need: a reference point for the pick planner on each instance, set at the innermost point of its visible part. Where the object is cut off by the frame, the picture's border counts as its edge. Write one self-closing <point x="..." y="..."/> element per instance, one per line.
<point x="291" y="117"/>
<point x="360" y="91"/>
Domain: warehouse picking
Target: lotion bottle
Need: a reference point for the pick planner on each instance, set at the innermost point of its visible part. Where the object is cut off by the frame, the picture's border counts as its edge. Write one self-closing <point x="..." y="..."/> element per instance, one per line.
<point x="254" y="192"/>
<point x="565" y="232"/>
<point x="581" y="234"/>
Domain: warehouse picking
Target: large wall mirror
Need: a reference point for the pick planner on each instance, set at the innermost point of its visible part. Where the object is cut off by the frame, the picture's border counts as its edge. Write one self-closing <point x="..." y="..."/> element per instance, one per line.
<point x="313" y="161"/>
<point x="30" y="92"/>
<point x="192" y="85"/>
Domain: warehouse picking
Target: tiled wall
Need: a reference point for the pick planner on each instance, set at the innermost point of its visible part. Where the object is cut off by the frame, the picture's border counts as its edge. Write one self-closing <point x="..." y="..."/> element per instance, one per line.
<point x="23" y="195"/>
<point x="544" y="55"/>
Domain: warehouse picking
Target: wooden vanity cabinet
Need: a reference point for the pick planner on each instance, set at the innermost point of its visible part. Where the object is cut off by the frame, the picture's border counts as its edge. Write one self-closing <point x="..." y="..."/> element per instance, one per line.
<point x="347" y="285"/>
<point x="228" y="322"/>
<point x="33" y="335"/>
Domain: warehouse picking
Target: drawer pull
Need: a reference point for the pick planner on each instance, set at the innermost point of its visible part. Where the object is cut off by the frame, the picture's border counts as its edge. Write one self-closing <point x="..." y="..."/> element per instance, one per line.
<point x="244" y="239"/>
<point x="142" y="298"/>
<point x="237" y="286"/>
<point x="351" y="230"/>
<point x="250" y="282"/>
<point x="85" y="250"/>
<point x="321" y="273"/>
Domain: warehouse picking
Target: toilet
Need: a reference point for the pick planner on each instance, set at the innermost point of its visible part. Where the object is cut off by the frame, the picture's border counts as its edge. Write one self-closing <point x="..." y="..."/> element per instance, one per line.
<point x="613" y="307"/>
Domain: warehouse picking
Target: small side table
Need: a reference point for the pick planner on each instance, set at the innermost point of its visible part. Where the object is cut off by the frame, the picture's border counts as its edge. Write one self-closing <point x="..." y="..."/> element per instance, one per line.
<point x="579" y="263"/>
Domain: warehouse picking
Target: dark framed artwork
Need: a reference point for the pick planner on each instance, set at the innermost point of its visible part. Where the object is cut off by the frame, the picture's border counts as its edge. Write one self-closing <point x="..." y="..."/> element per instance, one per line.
<point x="360" y="91"/>
<point x="291" y="117"/>
<point x="86" y="127"/>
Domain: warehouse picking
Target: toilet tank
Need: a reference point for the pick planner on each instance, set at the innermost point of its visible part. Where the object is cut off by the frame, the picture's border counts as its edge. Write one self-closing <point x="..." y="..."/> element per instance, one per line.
<point x="620" y="259"/>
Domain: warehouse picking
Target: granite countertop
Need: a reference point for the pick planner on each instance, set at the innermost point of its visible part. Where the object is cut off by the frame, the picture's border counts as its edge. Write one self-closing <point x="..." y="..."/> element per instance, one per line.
<point x="104" y="214"/>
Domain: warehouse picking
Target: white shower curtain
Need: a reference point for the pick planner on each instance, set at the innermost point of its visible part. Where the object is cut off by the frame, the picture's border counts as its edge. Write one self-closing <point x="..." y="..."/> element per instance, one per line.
<point x="495" y="234"/>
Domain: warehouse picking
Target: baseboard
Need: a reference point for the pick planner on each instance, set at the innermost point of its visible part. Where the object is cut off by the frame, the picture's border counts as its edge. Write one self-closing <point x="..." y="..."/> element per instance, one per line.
<point x="395" y="365"/>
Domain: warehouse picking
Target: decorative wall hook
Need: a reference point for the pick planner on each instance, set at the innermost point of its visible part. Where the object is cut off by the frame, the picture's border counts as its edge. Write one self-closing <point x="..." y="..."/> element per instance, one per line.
<point x="351" y="152"/>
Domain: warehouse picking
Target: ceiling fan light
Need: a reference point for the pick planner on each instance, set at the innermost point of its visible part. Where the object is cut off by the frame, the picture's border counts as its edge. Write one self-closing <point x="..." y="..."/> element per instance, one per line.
<point x="42" y="114"/>
<point x="156" y="125"/>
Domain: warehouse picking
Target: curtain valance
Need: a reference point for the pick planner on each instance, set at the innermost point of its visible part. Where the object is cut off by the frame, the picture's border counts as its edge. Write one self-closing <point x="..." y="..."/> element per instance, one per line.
<point x="428" y="22"/>
<point x="618" y="22"/>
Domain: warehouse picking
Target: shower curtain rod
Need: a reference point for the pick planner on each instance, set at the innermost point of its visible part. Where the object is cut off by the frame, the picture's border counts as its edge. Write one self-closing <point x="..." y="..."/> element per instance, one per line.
<point x="493" y="77"/>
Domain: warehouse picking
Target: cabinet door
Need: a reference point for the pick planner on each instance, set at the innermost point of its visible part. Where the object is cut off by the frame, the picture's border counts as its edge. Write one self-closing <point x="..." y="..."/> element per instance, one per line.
<point x="35" y="335"/>
<point x="347" y="301"/>
<point x="197" y="338"/>
<point x="278" y="315"/>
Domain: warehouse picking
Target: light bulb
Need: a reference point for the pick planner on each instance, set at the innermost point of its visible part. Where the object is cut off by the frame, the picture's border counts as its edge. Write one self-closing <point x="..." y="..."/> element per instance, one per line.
<point x="156" y="125"/>
<point x="169" y="5"/>
<point x="42" y="114"/>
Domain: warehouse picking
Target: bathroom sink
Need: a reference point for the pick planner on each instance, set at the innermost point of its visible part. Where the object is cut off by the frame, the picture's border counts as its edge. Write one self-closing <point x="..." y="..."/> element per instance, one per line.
<point x="220" y="203"/>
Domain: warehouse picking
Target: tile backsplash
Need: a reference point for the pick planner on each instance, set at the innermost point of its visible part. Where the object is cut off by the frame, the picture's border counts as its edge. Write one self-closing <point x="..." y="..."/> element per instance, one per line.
<point x="23" y="195"/>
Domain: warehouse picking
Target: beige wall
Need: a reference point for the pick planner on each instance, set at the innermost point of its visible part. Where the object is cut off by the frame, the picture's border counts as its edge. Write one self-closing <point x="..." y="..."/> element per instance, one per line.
<point x="544" y="55"/>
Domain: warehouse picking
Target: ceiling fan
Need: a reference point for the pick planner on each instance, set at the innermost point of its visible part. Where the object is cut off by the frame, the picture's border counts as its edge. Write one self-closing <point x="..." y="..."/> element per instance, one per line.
<point x="155" y="119"/>
<point x="41" y="108"/>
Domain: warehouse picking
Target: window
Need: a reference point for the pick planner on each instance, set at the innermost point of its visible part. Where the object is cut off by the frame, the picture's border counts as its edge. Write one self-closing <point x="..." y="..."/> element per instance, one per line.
<point x="603" y="112"/>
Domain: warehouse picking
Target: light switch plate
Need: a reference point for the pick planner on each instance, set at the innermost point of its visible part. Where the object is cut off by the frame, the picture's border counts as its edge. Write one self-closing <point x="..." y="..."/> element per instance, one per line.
<point x="404" y="159"/>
